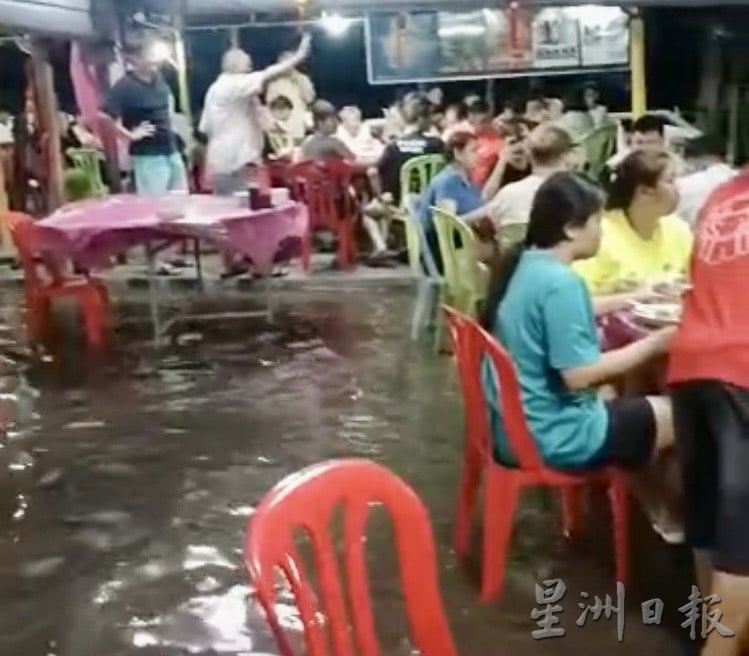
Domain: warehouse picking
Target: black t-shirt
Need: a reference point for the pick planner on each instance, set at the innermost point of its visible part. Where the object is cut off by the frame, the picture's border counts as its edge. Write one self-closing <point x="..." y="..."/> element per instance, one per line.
<point x="134" y="101"/>
<point x="398" y="152"/>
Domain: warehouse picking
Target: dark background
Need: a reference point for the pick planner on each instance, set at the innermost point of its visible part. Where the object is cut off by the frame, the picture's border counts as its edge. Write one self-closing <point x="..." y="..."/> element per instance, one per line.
<point x="338" y="70"/>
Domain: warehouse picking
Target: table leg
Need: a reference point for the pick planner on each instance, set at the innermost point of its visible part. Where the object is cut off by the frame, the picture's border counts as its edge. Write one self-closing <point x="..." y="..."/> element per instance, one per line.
<point x="198" y="263"/>
<point x="268" y="281"/>
<point x="153" y="293"/>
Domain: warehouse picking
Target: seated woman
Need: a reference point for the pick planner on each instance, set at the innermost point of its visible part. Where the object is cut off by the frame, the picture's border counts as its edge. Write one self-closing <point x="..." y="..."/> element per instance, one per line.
<point x="541" y="311"/>
<point x="452" y="189"/>
<point x="642" y="242"/>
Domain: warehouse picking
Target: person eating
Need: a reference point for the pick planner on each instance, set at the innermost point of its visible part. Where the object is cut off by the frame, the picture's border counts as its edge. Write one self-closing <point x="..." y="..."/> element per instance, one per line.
<point x="642" y="241"/>
<point x="541" y="311"/>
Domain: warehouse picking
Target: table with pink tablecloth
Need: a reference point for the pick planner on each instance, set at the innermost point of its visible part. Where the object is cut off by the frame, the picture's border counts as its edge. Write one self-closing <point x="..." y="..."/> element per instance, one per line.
<point x="92" y="231"/>
<point x="619" y="329"/>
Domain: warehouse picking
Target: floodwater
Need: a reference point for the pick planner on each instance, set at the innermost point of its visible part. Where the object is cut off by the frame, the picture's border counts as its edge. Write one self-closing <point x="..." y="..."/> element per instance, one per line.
<point x="127" y="486"/>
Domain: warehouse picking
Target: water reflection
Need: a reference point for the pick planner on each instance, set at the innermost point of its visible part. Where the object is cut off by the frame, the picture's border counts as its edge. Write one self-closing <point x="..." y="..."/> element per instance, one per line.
<point x="129" y="486"/>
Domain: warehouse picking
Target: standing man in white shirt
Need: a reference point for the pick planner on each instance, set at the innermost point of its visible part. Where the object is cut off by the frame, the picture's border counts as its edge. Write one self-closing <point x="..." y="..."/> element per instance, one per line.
<point x="707" y="170"/>
<point x="232" y="117"/>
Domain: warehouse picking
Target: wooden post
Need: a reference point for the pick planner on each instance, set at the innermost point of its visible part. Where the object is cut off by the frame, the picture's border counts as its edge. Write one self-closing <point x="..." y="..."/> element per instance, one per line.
<point x="49" y="123"/>
<point x="637" y="64"/>
<point x="181" y="52"/>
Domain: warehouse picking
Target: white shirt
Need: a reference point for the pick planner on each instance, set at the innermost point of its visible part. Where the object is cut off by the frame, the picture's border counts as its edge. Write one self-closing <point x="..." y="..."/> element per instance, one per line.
<point x="695" y="189"/>
<point x="363" y="145"/>
<point x="232" y="122"/>
<point x="512" y="204"/>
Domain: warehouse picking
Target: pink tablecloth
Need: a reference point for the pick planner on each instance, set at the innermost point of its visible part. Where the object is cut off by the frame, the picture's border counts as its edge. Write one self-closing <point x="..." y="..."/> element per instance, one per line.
<point x="92" y="231"/>
<point x="620" y="329"/>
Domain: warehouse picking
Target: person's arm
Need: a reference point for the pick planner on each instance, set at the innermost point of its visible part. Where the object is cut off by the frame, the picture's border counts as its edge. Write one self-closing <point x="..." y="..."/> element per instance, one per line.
<point x="495" y="179"/>
<point x="281" y="68"/>
<point x="573" y="347"/>
<point x="613" y="364"/>
<point x="607" y="303"/>
<point x="111" y="111"/>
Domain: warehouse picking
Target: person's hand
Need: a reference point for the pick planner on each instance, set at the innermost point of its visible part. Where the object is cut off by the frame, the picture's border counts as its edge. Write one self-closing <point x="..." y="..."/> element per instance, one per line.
<point x="305" y="46"/>
<point x="143" y="131"/>
<point x="662" y="339"/>
<point x="484" y="229"/>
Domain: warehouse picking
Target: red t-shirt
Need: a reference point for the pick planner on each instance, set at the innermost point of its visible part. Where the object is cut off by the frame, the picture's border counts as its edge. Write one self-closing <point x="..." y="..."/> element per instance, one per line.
<point x="489" y="143"/>
<point x="713" y="340"/>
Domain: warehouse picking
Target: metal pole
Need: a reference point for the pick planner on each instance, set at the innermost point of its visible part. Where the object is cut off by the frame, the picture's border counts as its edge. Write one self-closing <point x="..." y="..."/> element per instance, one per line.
<point x="637" y="63"/>
<point x="181" y="52"/>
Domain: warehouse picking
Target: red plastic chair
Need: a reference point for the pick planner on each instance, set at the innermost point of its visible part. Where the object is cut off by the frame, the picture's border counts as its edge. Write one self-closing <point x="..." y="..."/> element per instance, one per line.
<point x="308" y="500"/>
<point x="504" y="484"/>
<point x="41" y="290"/>
<point x="326" y="190"/>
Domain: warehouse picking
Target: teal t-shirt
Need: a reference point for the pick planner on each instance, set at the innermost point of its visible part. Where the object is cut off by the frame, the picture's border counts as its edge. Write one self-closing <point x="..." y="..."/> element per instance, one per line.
<point x="547" y="324"/>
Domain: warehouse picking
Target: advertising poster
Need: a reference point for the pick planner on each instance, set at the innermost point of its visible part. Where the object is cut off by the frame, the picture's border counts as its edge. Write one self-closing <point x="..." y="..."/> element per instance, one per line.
<point x="419" y="46"/>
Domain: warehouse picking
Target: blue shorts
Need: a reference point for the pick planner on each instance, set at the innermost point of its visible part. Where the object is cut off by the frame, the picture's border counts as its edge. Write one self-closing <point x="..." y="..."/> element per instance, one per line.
<point x="156" y="175"/>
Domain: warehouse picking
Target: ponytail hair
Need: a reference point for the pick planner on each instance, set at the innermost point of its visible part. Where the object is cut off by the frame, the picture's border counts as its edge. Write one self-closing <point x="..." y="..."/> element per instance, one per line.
<point x="562" y="201"/>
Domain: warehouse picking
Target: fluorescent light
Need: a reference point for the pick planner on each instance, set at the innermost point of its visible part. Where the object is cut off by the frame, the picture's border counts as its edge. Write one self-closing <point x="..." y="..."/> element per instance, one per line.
<point x="335" y="24"/>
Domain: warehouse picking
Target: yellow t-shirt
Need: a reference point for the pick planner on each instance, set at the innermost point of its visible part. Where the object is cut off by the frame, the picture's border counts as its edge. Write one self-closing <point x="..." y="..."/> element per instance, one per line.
<point x="624" y="256"/>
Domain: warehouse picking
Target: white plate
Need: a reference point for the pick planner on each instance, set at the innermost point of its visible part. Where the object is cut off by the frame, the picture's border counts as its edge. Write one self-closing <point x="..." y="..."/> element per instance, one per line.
<point x="657" y="314"/>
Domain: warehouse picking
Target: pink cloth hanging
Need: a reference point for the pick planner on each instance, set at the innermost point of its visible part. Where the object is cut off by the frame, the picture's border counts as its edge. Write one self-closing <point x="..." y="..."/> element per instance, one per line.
<point x="85" y="87"/>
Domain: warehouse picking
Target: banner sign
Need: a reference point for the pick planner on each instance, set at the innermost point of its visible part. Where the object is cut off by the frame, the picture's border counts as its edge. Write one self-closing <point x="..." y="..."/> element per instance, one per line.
<point x="517" y="41"/>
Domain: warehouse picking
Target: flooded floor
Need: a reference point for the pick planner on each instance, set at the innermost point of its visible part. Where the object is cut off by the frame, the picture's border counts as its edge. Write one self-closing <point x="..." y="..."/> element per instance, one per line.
<point x="124" y="501"/>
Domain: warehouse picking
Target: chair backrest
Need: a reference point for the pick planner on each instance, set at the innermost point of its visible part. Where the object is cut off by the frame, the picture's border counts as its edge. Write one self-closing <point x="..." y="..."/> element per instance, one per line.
<point x="325" y="187"/>
<point x="417" y="173"/>
<point x="461" y="330"/>
<point x="522" y="445"/>
<point x="22" y="231"/>
<point x="460" y="262"/>
<point x="473" y="346"/>
<point x="512" y="233"/>
<point x="307" y="500"/>
<point x="87" y="160"/>
<point x="599" y="146"/>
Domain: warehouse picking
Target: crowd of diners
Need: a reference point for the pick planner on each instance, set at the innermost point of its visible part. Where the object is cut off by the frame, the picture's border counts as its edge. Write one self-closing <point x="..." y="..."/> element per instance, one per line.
<point x="583" y="249"/>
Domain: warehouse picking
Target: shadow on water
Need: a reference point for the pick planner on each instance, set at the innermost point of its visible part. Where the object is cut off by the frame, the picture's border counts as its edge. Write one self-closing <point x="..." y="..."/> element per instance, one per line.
<point x="126" y="490"/>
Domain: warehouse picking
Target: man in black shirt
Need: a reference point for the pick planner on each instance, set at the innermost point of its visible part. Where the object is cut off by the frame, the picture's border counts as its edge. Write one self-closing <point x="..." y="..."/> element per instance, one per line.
<point x="140" y="104"/>
<point x="414" y="141"/>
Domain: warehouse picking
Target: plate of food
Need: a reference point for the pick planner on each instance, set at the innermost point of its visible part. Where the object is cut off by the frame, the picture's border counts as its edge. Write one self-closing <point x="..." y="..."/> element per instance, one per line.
<point x="673" y="288"/>
<point x="657" y="313"/>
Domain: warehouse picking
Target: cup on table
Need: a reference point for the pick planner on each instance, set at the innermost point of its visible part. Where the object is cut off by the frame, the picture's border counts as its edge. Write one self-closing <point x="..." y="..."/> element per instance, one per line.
<point x="279" y="196"/>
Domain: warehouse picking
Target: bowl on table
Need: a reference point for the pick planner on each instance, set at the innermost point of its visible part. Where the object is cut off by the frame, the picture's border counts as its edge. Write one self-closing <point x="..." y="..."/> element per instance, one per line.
<point x="657" y="313"/>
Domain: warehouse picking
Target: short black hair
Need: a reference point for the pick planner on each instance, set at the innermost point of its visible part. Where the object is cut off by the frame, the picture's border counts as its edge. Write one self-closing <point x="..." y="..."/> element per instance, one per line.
<point x="649" y="123"/>
<point x="705" y="145"/>
<point x="417" y="108"/>
<point x="479" y="106"/>
<point x="281" y="102"/>
<point x="322" y="110"/>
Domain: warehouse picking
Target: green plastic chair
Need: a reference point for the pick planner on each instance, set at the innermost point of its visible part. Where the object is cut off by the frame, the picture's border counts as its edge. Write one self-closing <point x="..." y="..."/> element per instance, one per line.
<point x="415" y="176"/>
<point x="510" y="234"/>
<point x="598" y="147"/>
<point x="466" y="277"/>
<point x="87" y="161"/>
